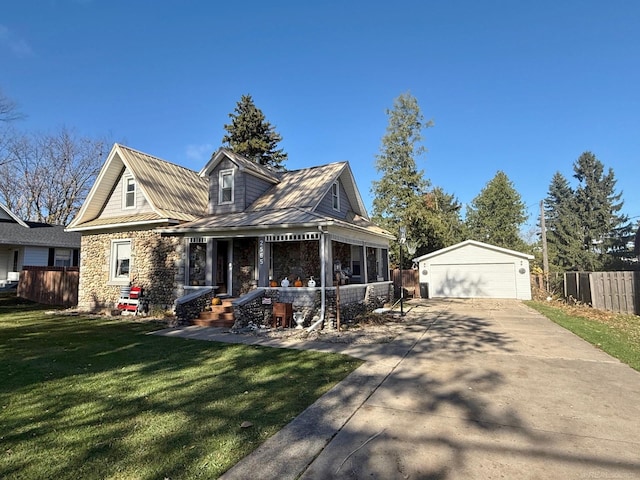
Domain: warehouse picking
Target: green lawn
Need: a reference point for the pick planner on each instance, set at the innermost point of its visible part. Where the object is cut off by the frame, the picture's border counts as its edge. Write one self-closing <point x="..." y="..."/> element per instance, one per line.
<point x="616" y="334"/>
<point x="99" y="398"/>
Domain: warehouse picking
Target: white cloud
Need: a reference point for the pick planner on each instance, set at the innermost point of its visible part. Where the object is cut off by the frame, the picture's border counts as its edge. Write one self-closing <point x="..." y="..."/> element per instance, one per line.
<point x="18" y="46"/>
<point x="199" y="153"/>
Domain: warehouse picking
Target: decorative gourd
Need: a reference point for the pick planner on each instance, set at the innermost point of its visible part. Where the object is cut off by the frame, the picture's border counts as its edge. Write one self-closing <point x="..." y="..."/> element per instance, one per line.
<point x="298" y="282"/>
<point x="284" y="282"/>
<point x="311" y="283"/>
<point x="216" y="301"/>
<point x="273" y="283"/>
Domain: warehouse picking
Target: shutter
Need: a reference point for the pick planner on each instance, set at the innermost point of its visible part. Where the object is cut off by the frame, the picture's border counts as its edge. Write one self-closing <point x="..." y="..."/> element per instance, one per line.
<point x="76" y="257"/>
<point x="52" y="257"/>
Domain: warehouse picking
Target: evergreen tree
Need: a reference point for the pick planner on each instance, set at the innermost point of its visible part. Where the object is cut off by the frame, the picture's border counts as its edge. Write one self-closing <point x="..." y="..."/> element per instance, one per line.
<point x="435" y="222"/>
<point x="563" y="224"/>
<point x="497" y="213"/>
<point x="250" y="135"/>
<point x="605" y="231"/>
<point x="402" y="185"/>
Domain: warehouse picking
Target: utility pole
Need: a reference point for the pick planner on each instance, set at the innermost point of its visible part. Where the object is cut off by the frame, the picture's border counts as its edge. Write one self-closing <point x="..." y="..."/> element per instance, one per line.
<point x="545" y="255"/>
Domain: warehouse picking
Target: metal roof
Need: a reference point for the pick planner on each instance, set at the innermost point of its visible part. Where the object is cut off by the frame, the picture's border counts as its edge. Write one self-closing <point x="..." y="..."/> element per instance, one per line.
<point x="177" y="194"/>
<point x="170" y="189"/>
<point x="173" y="192"/>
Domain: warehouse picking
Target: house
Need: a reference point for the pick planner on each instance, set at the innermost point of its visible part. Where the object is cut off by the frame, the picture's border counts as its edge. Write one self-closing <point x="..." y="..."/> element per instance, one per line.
<point x="472" y="269"/>
<point x="235" y="229"/>
<point x="24" y="243"/>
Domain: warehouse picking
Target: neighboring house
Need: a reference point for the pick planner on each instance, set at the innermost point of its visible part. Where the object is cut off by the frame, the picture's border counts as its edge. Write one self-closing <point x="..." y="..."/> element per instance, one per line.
<point x="472" y="269"/>
<point x="234" y="227"/>
<point x="24" y="243"/>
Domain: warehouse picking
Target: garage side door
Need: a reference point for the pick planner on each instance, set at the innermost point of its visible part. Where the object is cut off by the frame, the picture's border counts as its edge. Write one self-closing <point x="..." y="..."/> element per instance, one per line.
<point x="492" y="280"/>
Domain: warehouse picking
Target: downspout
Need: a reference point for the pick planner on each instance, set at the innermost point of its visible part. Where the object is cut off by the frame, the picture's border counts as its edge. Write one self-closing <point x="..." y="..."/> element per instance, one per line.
<point x="323" y="282"/>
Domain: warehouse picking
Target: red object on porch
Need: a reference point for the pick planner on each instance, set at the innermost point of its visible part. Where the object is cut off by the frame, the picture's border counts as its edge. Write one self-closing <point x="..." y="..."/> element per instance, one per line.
<point x="129" y="299"/>
<point x="135" y="292"/>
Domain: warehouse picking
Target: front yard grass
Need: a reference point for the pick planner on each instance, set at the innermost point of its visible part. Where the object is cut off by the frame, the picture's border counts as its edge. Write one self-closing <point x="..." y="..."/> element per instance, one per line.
<point x="617" y="334"/>
<point x="84" y="397"/>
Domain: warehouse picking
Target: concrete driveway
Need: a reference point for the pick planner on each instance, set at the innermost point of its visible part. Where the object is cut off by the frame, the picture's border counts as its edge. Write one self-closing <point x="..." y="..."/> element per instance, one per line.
<point x="472" y="390"/>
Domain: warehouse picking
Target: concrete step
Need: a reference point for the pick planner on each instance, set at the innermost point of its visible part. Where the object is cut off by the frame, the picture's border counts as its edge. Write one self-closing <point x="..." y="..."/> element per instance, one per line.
<point x="213" y="323"/>
<point x="217" y="315"/>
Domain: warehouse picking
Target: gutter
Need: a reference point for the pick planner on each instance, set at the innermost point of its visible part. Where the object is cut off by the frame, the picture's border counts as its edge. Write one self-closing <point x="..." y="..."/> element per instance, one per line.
<point x="323" y="281"/>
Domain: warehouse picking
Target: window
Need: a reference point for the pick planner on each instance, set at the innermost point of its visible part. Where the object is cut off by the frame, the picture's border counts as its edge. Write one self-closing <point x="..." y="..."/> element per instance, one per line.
<point x="62" y="257"/>
<point x="335" y="196"/>
<point x="197" y="264"/>
<point x="129" y="192"/>
<point x="120" y="260"/>
<point x="225" y="180"/>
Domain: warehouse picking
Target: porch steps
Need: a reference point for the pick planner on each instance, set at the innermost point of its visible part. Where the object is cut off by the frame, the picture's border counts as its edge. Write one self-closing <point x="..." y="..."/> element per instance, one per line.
<point x="219" y="316"/>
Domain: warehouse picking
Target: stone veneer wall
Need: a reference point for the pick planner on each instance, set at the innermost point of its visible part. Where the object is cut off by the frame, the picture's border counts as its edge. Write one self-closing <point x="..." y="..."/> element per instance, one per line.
<point x="157" y="266"/>
<point x="354" y="300"/>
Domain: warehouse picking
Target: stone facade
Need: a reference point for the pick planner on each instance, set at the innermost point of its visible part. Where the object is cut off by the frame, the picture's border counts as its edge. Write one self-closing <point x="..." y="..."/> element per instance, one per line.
<point x="355" y="300"/>
<point x="157" y="266"/>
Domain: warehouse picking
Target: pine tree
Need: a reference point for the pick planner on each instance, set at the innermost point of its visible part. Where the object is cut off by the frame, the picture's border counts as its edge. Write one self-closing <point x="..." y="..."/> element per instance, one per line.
<point x="435" y="222"/>
<point x="605" y="231"/>
<point x="563" y="224"/>
<point x="497" y="213"/>
<point x="402" y="184"/>
<point x="250" y="135"/>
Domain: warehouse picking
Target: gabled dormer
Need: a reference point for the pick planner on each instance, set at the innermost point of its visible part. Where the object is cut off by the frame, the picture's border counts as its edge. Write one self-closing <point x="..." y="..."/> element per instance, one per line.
<point x="127" y="198"/>
<point x="341" y="198"/>
<point x="235" y="182"/>
<point x="136" y="188"/>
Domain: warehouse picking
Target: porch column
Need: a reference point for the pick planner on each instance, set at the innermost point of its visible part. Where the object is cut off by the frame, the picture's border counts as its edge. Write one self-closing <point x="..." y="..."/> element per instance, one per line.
<point x="327" y="261"/>
<point x="264" y="261"/>
<point x="212" y="254"/>
<point x="365" y="265"/>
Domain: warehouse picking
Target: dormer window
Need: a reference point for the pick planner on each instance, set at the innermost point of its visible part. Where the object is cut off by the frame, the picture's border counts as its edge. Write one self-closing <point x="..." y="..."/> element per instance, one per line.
<point x="225" y="185"/>
<point x="129" y="192"/>
<point x="335" y="196"/>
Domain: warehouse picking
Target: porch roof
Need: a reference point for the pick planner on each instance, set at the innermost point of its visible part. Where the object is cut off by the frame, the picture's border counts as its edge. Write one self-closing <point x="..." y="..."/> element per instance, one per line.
<point x="290" y="217"/>
<point x="140" y="218"/>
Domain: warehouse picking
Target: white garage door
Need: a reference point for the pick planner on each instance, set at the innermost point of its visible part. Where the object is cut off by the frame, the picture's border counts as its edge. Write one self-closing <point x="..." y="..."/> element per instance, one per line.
<point x="492" y="280"/>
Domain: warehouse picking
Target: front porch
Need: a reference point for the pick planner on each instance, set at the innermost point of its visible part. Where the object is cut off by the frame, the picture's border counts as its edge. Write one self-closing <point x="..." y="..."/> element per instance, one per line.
<point x="237" y="265"/>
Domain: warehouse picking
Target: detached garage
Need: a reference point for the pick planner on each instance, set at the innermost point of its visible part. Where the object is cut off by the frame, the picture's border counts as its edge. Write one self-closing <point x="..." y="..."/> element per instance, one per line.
<point x="475" y="270"/>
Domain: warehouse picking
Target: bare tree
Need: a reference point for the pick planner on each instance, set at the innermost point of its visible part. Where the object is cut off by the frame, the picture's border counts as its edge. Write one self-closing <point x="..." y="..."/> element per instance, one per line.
<point x="8" y="114"/>
<point x="49" y="175"/>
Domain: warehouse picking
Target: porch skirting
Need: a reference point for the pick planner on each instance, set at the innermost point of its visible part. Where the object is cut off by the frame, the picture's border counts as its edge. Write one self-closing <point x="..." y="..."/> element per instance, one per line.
<point x="251" y="309"/>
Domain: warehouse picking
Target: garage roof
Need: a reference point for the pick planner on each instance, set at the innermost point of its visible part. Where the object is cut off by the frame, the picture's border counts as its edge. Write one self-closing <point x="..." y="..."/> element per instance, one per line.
<point x="476" y="243"/>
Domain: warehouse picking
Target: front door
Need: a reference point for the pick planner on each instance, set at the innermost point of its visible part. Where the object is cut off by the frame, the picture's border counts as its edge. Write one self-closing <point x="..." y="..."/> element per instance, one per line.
<point x="222" y="267"/>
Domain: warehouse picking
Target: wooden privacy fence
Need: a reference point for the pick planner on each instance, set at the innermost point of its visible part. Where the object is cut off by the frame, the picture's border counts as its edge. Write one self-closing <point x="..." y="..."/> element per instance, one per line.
<point x="50" y="285"/>
<point x="613" y="291"/>
<point x="410" y="283"/>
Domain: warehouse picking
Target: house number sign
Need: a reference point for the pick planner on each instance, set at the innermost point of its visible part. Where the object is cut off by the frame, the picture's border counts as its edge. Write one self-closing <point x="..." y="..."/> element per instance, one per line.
<point x="261" y="251"/>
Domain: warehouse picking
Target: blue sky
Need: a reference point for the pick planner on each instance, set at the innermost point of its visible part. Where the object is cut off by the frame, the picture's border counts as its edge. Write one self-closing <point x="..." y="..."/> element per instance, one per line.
<point x="522" y="87"/>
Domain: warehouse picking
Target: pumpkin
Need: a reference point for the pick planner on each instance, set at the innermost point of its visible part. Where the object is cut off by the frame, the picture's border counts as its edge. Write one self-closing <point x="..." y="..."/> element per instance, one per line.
<point x="298" y="282"/>
<point x="216" y="301"/>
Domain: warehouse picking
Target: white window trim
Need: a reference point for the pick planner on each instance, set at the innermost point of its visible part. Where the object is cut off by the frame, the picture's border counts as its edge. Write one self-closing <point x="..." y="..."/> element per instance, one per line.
<point x="119" y="280"/>
<point x="221" y="175"/>
<point x="125" y="184"/>
<point x="67" y="259"/>
<point x="335" y="196"/>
